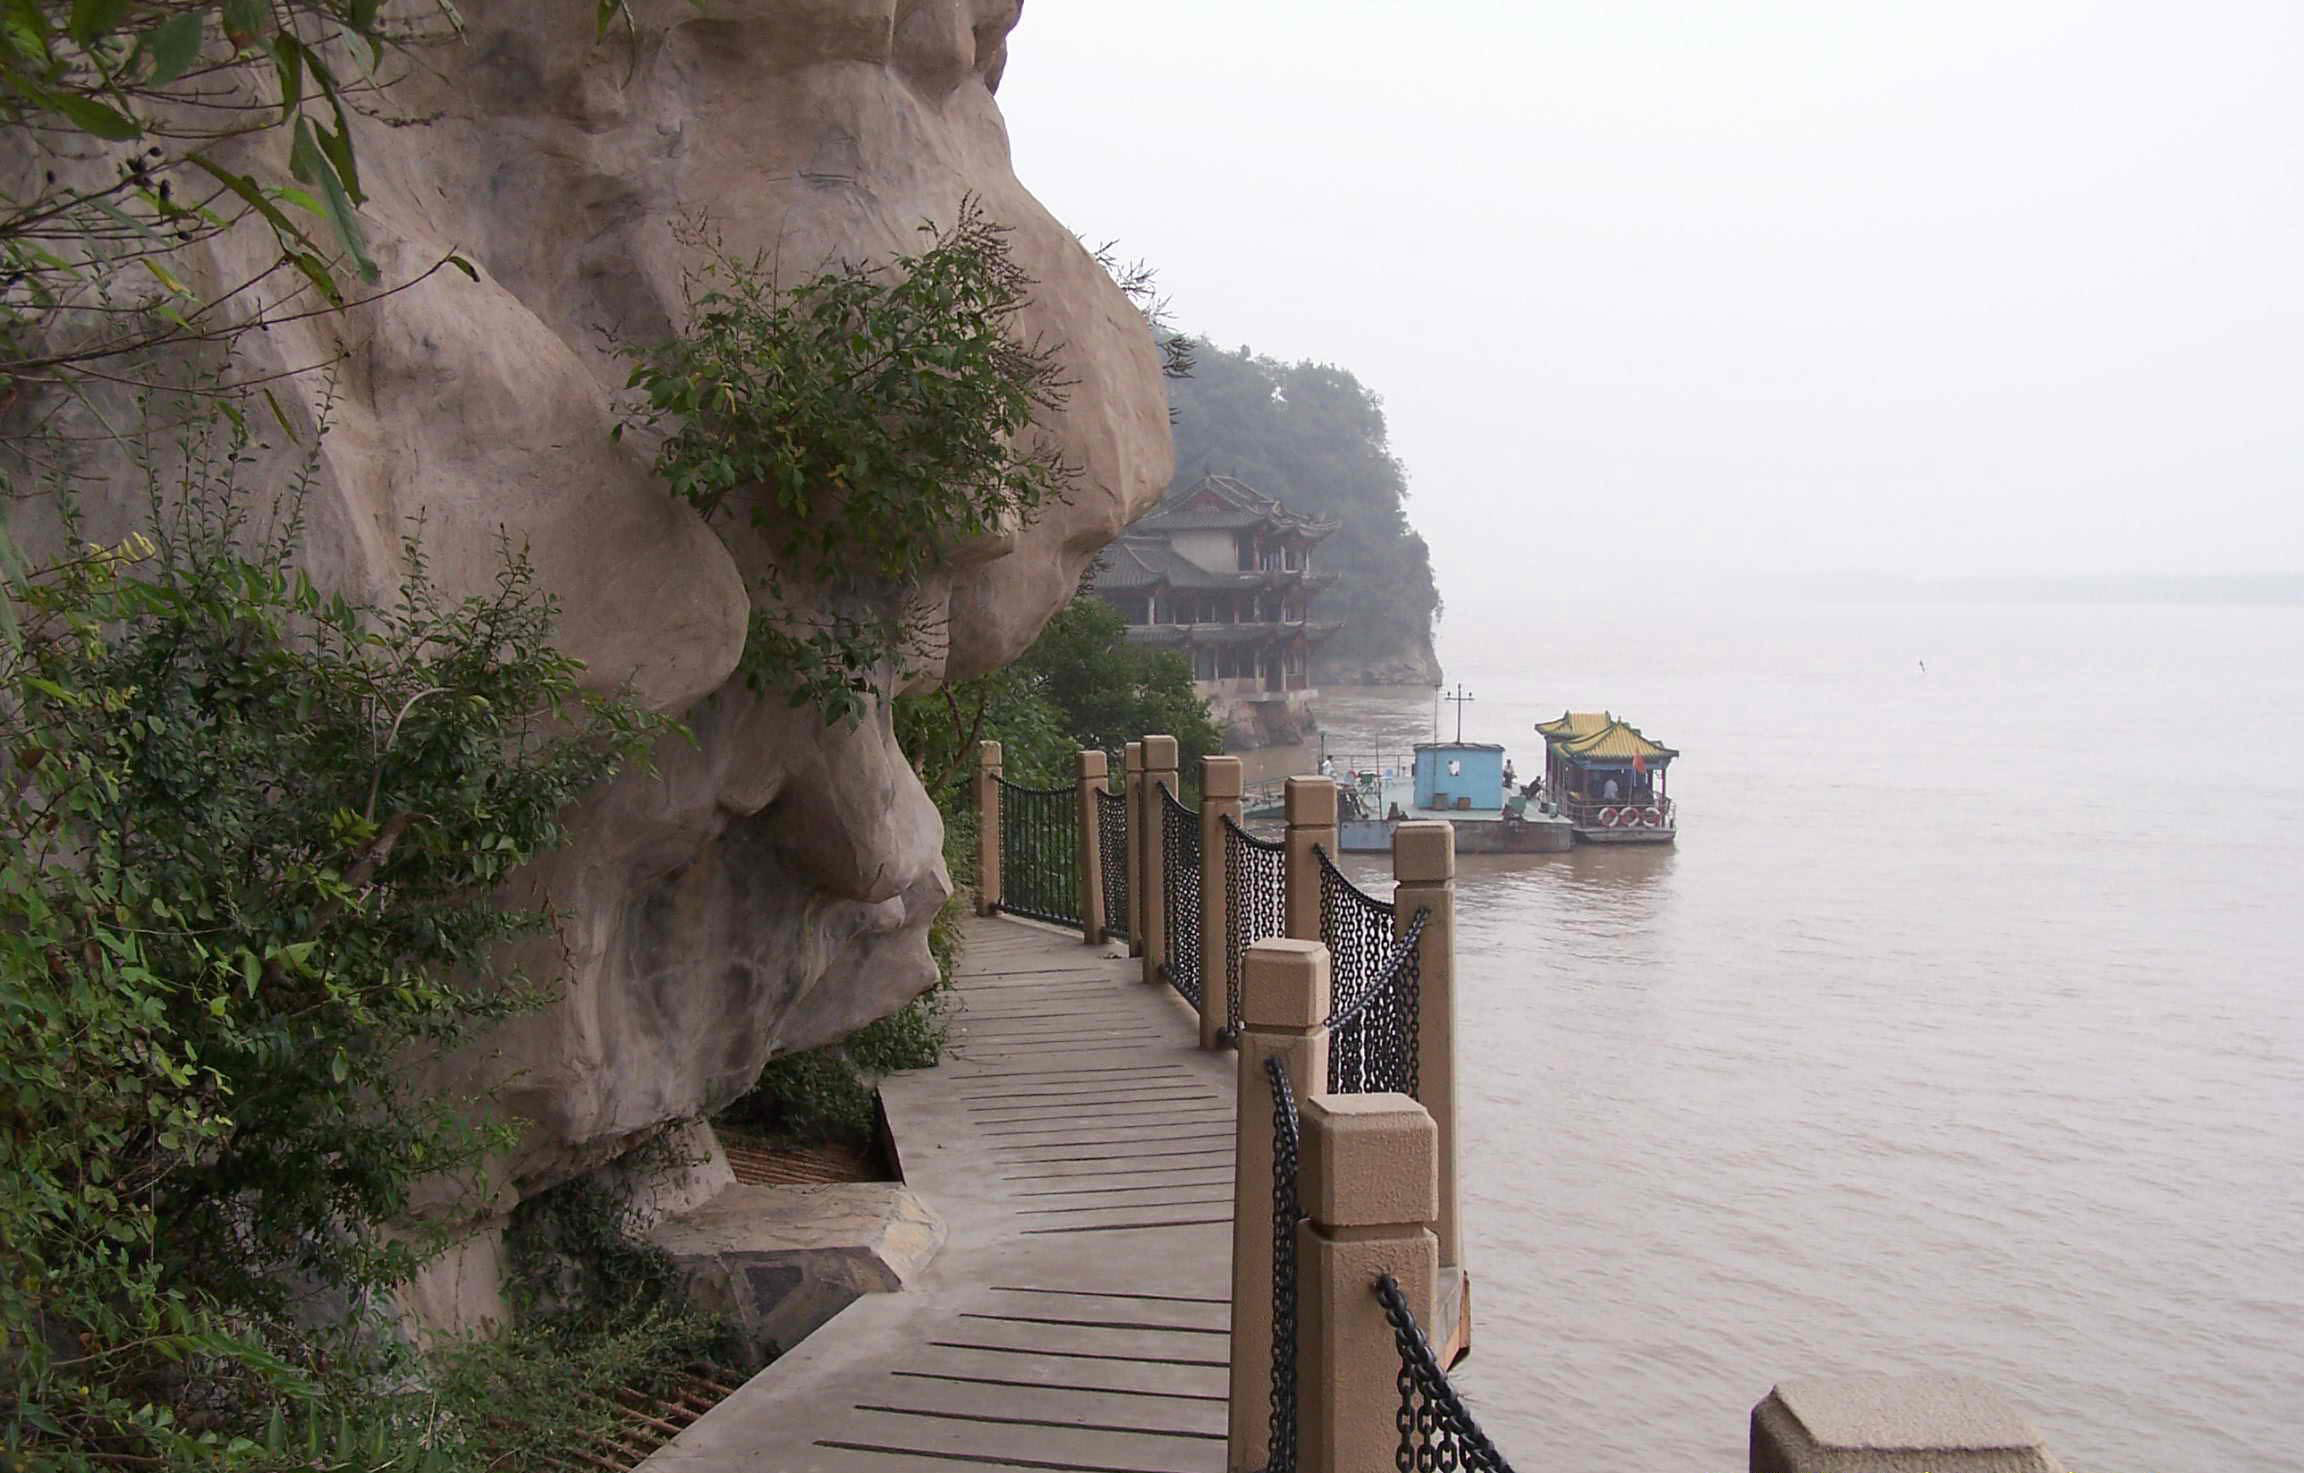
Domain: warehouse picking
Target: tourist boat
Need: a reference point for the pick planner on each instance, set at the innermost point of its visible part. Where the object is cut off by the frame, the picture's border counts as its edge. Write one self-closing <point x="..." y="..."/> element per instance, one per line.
<point x="1607" y="780"/>
<point x="1461" y="782"/>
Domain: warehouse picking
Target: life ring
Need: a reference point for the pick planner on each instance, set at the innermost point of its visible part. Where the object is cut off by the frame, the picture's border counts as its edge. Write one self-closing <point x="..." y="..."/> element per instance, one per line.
<point x="1654" y="818"/>
<point x="1606" y="818"/>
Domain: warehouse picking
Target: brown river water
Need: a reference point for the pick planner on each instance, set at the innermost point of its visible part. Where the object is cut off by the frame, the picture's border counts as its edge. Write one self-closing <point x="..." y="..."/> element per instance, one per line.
<point x="1962" y="1030"/>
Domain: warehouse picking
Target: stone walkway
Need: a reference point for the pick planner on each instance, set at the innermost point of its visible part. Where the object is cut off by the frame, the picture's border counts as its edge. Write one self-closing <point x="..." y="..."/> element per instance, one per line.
<point x="1079" y="1148"/>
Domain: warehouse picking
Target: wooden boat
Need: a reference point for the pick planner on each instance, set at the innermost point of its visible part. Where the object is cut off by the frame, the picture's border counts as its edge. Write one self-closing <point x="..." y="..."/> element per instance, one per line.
<point x="1607" y="780"/>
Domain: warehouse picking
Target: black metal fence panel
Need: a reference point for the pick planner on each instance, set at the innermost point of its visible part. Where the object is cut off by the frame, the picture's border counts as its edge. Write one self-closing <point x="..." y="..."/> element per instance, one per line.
<point x="1376" y="980"/>
<point x="1437" y="1433"/>
<point x="1255" y="904"/>
<point x="1112" y="847"/>
<point x="1040" y="853"/>
<point x="1180" y="888"/>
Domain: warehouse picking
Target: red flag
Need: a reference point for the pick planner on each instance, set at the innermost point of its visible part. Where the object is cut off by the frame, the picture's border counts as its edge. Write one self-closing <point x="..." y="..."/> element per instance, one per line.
<point x="1637" y="764"/>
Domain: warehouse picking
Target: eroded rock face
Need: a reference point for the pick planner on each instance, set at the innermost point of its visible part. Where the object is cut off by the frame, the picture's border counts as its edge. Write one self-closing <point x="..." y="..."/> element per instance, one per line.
<point x="769" y="886"/>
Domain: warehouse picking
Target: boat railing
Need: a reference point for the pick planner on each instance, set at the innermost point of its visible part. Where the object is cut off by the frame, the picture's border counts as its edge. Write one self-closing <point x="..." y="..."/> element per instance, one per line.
<point x="1618" y="813"/>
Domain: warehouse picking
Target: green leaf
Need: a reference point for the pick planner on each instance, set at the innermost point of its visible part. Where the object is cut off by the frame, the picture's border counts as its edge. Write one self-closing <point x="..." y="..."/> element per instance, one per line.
<point x="464" y="266"/>
<point x="309" y="164"/>
<point x="282" y="420"/>
<point x="175" y="45"/>
<point x="94" y="118"/>
<point x="288" y="61"/>
<point x="95" y="19"/>
<point x="246" y="21"/>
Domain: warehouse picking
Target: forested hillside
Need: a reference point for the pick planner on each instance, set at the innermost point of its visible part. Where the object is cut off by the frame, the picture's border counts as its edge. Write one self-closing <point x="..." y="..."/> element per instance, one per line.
<point x="1313" y="435"/>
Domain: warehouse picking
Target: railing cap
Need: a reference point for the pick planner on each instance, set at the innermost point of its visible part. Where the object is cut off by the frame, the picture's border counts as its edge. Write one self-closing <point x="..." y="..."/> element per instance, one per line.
<point x="1311" y="802"/>
<point x="1132" y="757"/>
<point x="1093" y="763"/>
<point x="1221" y="778"/>
<point x="1370" y="1160"/>
<point x="987" y="754"/>
<point x="1160" y="754"/>
<point x="1284" y="985"/>
<point x="1424" y="851"/>
<point x="1826" y="1424"/>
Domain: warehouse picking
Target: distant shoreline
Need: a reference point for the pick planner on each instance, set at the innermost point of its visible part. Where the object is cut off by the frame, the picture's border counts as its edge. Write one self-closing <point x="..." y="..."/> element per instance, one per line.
<point x="2134" y="588"/>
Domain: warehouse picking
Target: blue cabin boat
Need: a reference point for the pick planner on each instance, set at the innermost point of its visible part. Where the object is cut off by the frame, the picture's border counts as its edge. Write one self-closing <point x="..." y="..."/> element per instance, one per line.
<point x="1462" y="782"/>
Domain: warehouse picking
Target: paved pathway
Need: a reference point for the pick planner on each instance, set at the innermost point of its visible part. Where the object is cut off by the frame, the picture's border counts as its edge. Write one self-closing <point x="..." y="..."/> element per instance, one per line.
<point x="1079" y="1148"/>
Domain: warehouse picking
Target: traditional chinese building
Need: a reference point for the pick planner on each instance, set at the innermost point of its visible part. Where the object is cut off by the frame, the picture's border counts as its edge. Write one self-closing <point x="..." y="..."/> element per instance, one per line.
<point x="1224" y="575"/>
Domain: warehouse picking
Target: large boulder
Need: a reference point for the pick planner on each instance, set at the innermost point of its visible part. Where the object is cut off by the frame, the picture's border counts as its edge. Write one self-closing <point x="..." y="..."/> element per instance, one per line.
<point x="769" y="885"/>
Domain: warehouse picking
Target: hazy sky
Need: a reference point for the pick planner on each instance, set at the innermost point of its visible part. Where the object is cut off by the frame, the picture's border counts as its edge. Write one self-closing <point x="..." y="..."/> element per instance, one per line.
<point x="1756" y="285"/>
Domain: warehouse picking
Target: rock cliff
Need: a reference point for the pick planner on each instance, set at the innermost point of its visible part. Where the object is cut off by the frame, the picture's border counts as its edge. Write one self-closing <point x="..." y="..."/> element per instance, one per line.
<point x="769" y="886"/>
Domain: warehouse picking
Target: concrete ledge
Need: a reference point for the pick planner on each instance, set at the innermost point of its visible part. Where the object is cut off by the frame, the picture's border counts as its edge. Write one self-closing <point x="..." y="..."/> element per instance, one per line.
<point x="1894" y="1424"/>
<point x="780" y="1261"/>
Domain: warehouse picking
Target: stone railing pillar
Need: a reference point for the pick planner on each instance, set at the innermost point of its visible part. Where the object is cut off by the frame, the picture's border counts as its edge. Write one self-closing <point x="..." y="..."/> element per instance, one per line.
<point x="1424" y="864"/>
<point x="1091" y="775"/>
<point x="1132" y="765"/>
<point x="1894" y="1424"/>
<point x="987" y="828"/>
<point x="1284" y="1000"/>
<point x="1159" y="772"/>
<point x="1311" y="805"/>
<point x="1220" y="786"/>
<point x="1370" y="1189"/>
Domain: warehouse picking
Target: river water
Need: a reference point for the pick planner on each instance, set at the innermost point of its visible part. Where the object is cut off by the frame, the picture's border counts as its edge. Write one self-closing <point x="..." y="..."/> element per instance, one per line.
<point x="1962" y="1030"/>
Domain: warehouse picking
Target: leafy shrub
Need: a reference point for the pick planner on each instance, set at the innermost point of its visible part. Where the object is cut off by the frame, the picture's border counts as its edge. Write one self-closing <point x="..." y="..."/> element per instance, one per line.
<point x="250" y="871"/>
<point x="876" y="416"/>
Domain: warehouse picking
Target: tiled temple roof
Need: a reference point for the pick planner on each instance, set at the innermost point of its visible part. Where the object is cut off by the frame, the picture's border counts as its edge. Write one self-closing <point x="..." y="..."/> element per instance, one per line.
<point x="1216" y="502"/>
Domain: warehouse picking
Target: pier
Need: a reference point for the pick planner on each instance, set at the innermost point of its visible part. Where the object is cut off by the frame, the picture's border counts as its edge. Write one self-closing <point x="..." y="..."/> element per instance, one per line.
<point x="1077" y="1142"/>
<point x="1193" y="1147"/>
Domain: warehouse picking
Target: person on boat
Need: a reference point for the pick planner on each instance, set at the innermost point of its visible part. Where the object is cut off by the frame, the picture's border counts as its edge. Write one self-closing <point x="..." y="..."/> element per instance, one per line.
<point x="1511" y="779"/>
<point x="1327" y="766"/>
<point x="1609" y="792"/>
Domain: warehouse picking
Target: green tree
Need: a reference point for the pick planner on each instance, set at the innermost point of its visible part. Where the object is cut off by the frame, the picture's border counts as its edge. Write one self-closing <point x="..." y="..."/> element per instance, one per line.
<point x="1080" y="685"/>
<point x="1312" y="435"/>
<point x="869" y="419"/>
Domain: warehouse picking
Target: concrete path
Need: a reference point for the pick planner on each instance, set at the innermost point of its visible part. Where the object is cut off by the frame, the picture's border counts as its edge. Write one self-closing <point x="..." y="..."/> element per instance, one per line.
<point x="1079" y="1147"/>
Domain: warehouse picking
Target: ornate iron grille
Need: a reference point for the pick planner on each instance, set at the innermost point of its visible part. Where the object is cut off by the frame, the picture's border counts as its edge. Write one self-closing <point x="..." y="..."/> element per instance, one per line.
<point x="1040" y="853"/>
<point x="1374" y="1013"/>
<point x="1437" y="1433"/>
<point x="1372" y="1043"/>
<point x="1255" y="904"/>
<point x="1112" y="844"/>
<point x="1180" y="887"/>
<point x="1355" y="927"/>
<point x="1286" y="1213"/>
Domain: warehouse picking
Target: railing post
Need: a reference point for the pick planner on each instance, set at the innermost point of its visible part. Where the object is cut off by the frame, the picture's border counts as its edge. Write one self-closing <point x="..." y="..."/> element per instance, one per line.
<point x="1311" y="820"/>
<point x="987" y="828"/>
<point x="1220" y="779"/>
<point x="1370" y="1189"/>
<point x="1424" y="864"/>
<point x="1159" y="772"/>
<point x="1284" y="1001"/>
<point x="1894" y="1424"/>
<point x="1091" y="779"/>
<point x="1132" y="764"/>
